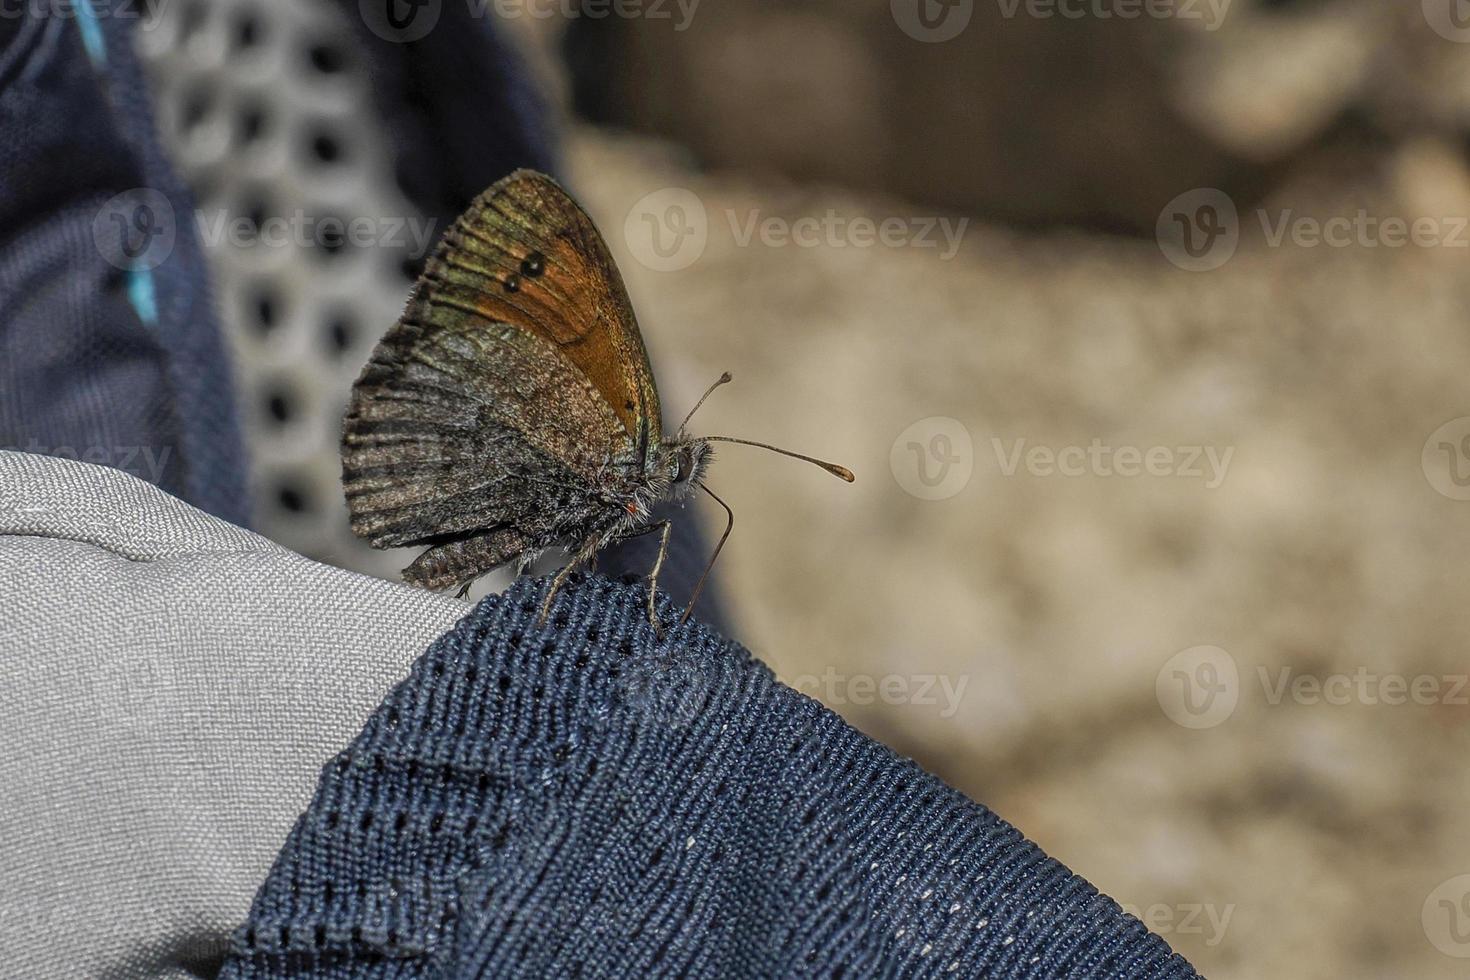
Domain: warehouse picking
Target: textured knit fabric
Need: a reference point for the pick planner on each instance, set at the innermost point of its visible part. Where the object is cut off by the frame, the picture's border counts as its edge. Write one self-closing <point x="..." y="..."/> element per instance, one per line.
<point x="169" y="687"/>
<point x="97" y="363"/>
<point x="582" y="798"/>
<point x="533" y="800"/>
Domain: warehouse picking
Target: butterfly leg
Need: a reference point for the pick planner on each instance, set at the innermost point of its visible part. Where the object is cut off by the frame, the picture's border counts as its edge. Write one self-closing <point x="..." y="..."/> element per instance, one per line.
<point x="583" y="556"/>
<point x="649" y="529"/>
<point x="658" y="563"/>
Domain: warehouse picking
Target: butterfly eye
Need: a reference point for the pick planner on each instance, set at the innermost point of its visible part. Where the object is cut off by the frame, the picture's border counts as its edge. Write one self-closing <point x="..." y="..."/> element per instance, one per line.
<point x="676" y="470"/>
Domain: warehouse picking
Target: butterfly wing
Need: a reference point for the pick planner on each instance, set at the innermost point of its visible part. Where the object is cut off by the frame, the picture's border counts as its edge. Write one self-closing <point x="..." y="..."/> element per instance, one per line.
<point x="512" y="389"/>
<point x="463" y="425"/>
<point x="526" y="253"/>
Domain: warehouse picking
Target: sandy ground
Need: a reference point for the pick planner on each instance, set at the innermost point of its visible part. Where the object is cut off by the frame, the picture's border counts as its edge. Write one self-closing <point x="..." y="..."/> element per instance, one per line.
<point x="1286" y="577"/>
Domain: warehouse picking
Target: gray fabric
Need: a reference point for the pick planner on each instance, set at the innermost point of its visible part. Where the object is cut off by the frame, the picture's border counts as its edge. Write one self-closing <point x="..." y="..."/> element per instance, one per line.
<point x="162" y="713"/>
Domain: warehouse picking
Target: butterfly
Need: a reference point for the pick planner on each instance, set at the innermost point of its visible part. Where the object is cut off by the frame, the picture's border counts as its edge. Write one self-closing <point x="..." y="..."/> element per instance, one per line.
<point x="512" y="408"/>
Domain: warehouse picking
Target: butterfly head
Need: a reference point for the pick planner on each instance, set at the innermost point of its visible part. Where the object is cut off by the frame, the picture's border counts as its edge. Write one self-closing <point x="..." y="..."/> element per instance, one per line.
<point x="679" y="466"/>
<point x="684" y="458"/>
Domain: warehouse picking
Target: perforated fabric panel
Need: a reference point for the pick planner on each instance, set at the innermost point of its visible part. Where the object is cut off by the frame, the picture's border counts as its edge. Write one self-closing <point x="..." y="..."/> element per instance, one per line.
<point x="266" y="107"/>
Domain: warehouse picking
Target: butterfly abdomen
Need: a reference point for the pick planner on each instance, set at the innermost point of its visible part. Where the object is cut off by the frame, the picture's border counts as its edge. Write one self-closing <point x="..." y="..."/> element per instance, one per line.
<point x="463" y="561"/>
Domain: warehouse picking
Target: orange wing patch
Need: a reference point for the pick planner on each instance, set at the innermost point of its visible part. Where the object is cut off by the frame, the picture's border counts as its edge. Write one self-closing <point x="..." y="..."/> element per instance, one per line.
<point x="527" y="254"/>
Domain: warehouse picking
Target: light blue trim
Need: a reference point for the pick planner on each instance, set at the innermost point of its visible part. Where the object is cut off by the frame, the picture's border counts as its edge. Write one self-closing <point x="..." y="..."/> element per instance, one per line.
<point x="91" y="32"/>
<point x="143" y="294"/>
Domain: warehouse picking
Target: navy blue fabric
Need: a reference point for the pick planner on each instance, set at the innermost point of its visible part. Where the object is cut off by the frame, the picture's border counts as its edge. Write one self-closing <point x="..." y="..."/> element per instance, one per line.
<point x="128" y="367"/>
<point x="97" y="363"/>
<point x="458" y="103"/>
<point x="583" y="798"/>
<point x="83" y="373"/>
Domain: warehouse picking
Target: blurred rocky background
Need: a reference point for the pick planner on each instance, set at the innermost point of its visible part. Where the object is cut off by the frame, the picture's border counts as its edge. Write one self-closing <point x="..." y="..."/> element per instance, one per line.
<point x="1301" y="816"/>
<point x="1146" y="328"/>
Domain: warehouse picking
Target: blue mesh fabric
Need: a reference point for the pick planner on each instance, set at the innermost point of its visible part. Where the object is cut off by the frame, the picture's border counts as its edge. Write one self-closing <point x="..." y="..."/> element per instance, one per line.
<point x="128" y="367"/>
<point x="584" y="798"/>
<point x="97" y="363"/>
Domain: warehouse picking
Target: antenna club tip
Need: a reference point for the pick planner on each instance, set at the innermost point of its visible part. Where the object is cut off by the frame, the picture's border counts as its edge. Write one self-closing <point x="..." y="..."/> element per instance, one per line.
<point x="841" y="472"/>
<point x="726" y="378"/>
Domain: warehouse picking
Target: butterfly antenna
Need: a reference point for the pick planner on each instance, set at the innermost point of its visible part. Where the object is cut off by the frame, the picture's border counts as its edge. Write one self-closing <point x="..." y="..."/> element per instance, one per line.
<point x="723" y="379"/>
<point x="841" y="472"/>
<point x="729" y="526"/>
